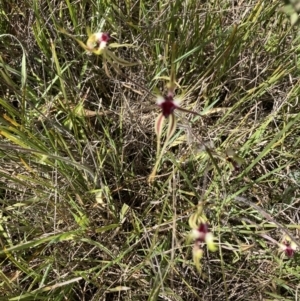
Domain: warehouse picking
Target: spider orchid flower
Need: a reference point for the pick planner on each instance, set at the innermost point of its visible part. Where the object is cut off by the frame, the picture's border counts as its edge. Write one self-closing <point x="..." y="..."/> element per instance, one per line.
<point x="168" y="104"/>
<point x="200" y="235"/>
<point x="288" y="246"/>
<point x="97" y="43"/>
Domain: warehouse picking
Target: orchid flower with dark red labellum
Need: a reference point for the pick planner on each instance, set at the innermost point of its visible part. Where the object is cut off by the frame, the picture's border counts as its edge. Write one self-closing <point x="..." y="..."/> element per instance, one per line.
<point x="97" y="43"/>
<point x="200" y="234"/>
<point x="168" y="104"/>
<point x="288" y="246"/>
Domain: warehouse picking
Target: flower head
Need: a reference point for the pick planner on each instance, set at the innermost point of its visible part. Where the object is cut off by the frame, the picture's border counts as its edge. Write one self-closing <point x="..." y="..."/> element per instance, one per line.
<point x="97" y="41"/>
<point x="202" y="234"/>
<point x="288" y="246"/>
<point x="102" y="39"/>
<point x="168" y="104"/>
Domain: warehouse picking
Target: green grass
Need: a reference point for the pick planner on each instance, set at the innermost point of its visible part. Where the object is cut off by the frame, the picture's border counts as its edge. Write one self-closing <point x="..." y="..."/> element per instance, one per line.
<point x="78" y="219"/>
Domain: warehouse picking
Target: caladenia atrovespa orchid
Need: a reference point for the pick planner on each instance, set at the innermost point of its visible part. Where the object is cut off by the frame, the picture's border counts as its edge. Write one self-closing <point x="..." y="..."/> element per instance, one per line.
<point x="168" y="104"/>
<point x="200" y="235"/>
<point x="288" y="246"/>
<point x="98" y="43"/>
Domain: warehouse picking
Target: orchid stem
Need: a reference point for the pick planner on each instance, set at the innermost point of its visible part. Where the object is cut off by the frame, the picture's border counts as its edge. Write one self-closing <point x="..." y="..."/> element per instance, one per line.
<point x="153" y="173"/>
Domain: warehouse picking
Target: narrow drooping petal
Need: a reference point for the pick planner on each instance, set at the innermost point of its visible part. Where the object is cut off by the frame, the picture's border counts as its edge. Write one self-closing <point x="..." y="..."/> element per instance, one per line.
<point x="197" y="256"/>
<point x="159" y="124"/>
<point x="171" y="127"/>
<point x="158" y="130"/>
<point x="189" y="111"/>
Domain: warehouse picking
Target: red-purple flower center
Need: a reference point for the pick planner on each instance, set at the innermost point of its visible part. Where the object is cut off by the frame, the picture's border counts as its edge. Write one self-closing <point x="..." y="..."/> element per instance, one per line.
<point x="202" y="231"/>
<point x="168" y="106"/>
<point x="105" y="37"/>
<point x="289" y="251"/>
<point x="203" y="228"/>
